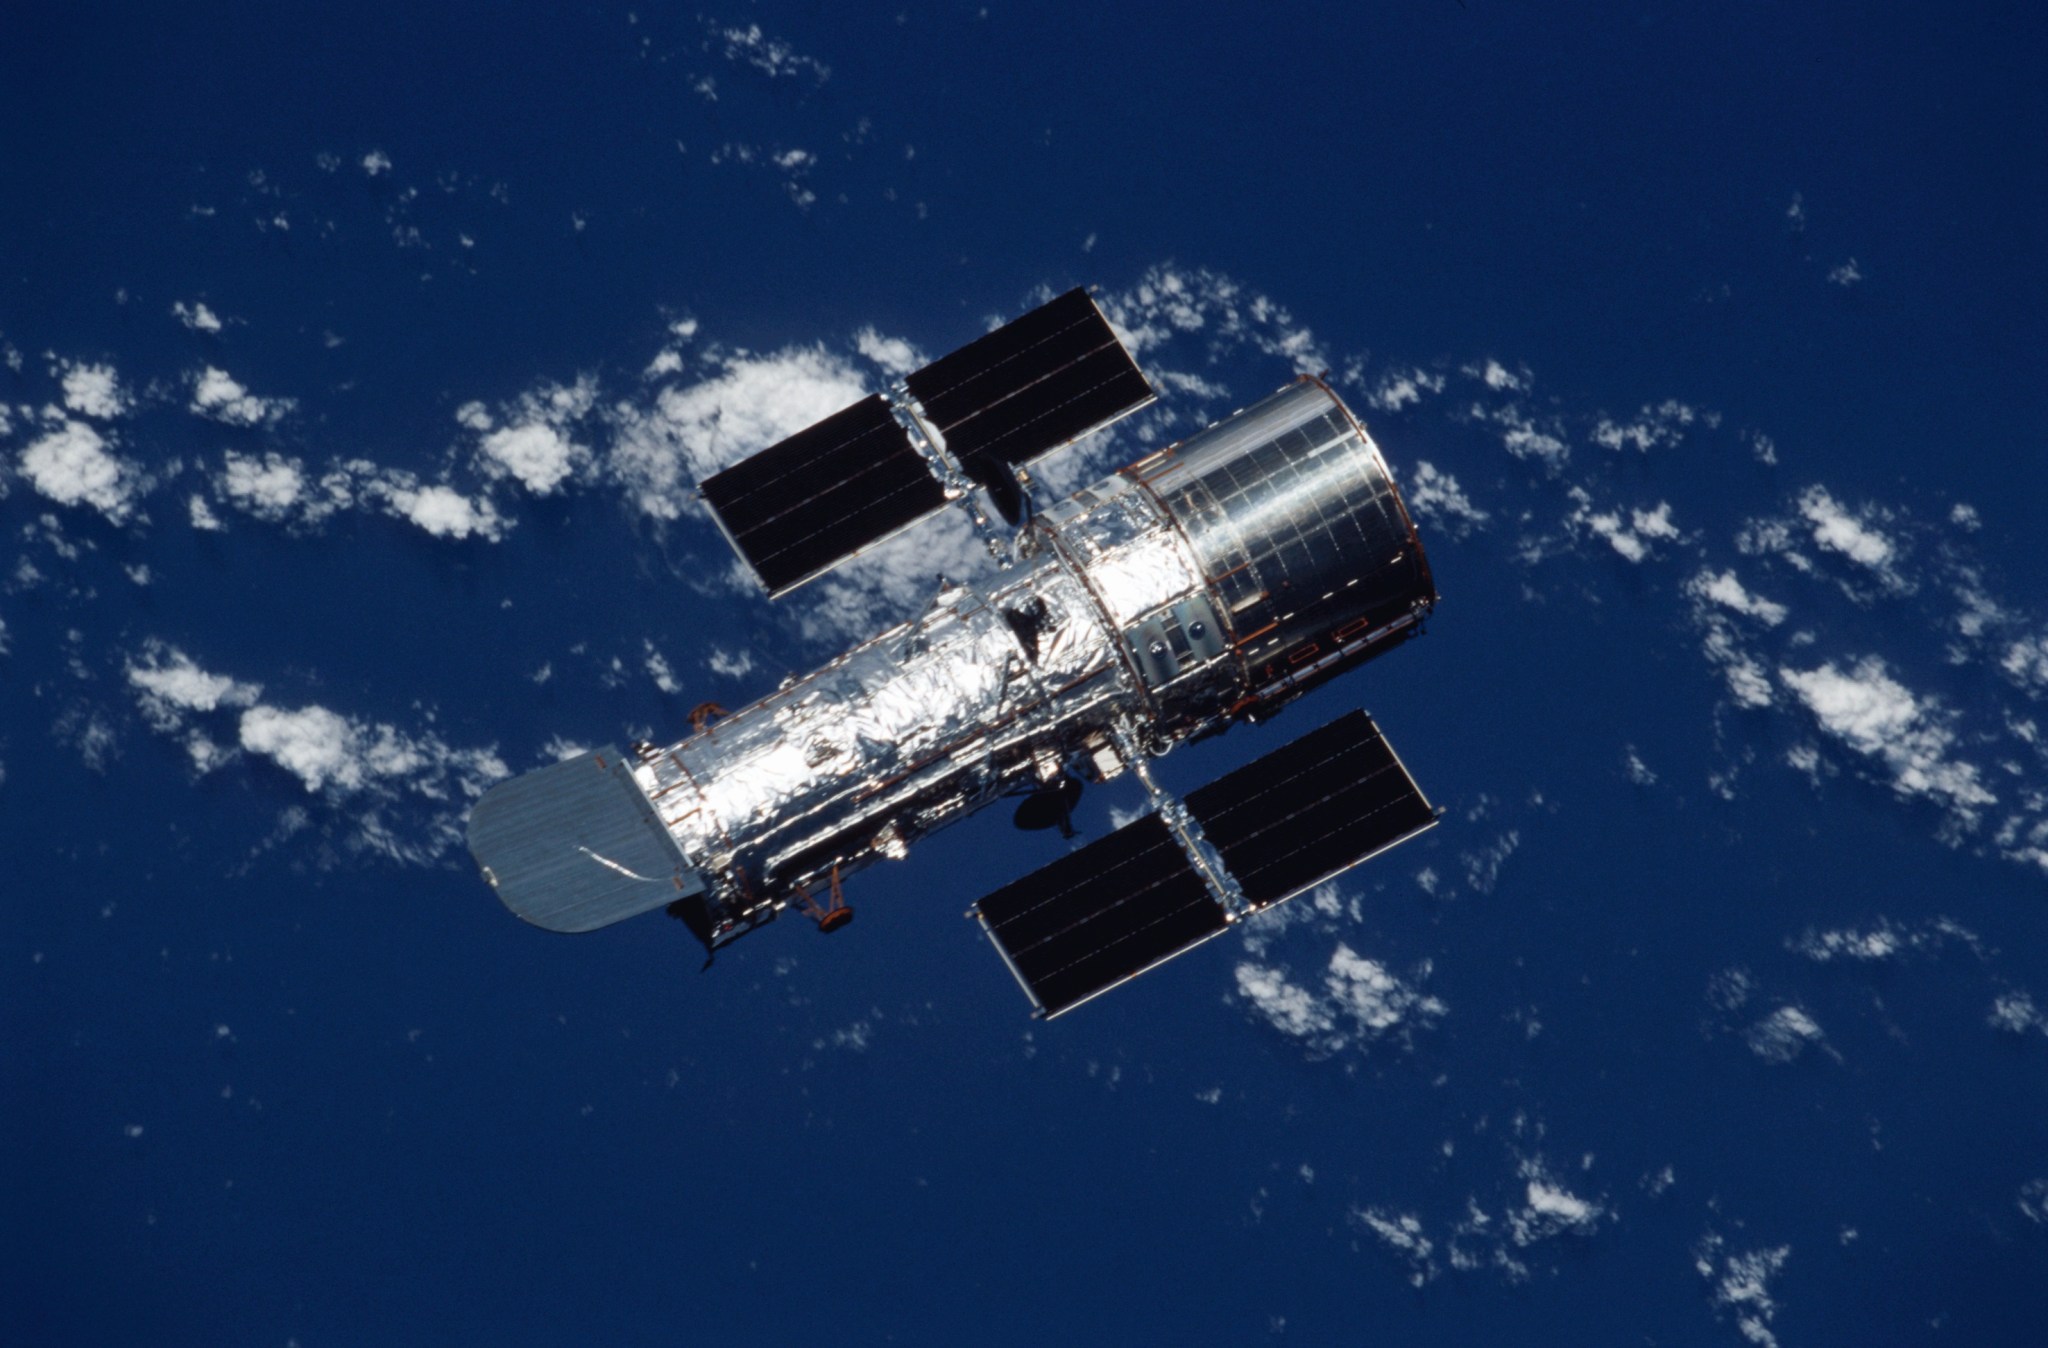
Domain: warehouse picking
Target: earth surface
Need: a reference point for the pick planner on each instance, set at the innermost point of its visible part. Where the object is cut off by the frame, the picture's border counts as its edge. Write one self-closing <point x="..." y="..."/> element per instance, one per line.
<point x="360" y="362"/>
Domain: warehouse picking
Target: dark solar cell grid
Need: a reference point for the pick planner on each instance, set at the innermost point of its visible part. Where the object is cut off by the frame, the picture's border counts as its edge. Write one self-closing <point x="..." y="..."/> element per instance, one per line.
<point x="1032" y="385"/>
<point x="1099" y="915"/>
<point x="1310" y="809"/>
<point x="805" y="502"/>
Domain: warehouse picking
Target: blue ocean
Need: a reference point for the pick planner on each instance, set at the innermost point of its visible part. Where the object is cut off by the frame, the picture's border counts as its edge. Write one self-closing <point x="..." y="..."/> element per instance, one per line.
<point x="358" y="367"/>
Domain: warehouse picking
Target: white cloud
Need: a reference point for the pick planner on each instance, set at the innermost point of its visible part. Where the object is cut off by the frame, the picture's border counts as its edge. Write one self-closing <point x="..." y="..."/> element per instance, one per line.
<point x="216" y="394"/>
<point x="1402" y="388"/>
<point x="1630" y="538"/>
<point x="2016" y="1013"/>
<point x="533" y="445"/>
<point x="95" y="391"/>
<point x="1358" y="1002"/>
<point x="196" y="316"/>
<point x="893" y="354"/>
<point x="1846" y="275"/>
<point x="535" y="453"/>
<point x="2033" y="1200"/>
<point x="2026" y="662"/>
<point x="660" y="671"/>
<point x="1549" y="1209"/>
<point x="366" y="768"/>
<point x="1876" y="716"/>
<point x="71" y="466"/>
<point x="771" y="56"/>
<point x="1839" y="531"/>
<point x="1524" y="438"/>
<point x="202" y="515"/>
<point x="170" y="683"/>
<point x="1881" y="942"/>
<point x="1499" y="378"/>
<point x="376" y="162"/>
<point x="1654" y="427"/>
<point x="1783" y="1035"/>
<point x="1437" y="498"/>
<point x="441" y="510"/>
<point x="172" y="689"/>
<point x="267" y="487"/>
<point x="1403" y="1234"/>
<point x="659" y="453"/>
<point x="1741" y="1285"/>
<point x="1169" y="300"/>
<point x="1726" y="589"/>
<point x="729" y="664"/>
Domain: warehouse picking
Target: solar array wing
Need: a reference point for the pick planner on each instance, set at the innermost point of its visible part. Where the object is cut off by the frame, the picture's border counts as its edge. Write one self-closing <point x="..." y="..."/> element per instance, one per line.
<point x="1032" y="385"/>
<point x="1101" y="915"/>
<point x="803" y="504"/>
<point x="1311" y="809"/>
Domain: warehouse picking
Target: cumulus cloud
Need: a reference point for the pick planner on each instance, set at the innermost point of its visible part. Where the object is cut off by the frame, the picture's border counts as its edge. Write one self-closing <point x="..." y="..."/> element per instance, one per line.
<point x="439" y="509"/>
<point x="1534" y="1207"/>
<point x="1404" y="388"/>
<point x="95" y="391"/>
<point x="729" y="664"/>
<point x="1499" y="378"/>
<point x="71" y="465"/>
<point x="776" y="59"/>
<point x="894" y="355"/>
<point x="1357" y="1001"/>
<point x="196" y="316"/>
<point x="1169" y="301"/>
<point x="1783" y="1035"/>
<point x="173" y="691"/>
<point x="1630" y="535"/>
<point x="1653" y="427"/>
<point x="1876" y="717"/>
<point x="1850" y="534"/>
<point x="535" y="453"/>
<point x="1726" y="589"/>
<point x="216" y="394"/>
<point x="363" y="770"/>
<point x="1525" y="437"/>
<point x="2026" y="663"/>
<point x="1740" y="1285"/>
<point x="535" y="443"/>
<point x="271" y="487"/>
<point x="170" y="684"/>
<point x="2016" y="1013"/>
<point x="749" y="402"/>
<point x="1880" y="942"/>
<point x="1436" y="497"/>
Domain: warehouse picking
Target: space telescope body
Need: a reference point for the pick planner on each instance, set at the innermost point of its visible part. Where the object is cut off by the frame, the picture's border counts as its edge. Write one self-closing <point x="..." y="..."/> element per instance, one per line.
<point x="1207" y="584"/>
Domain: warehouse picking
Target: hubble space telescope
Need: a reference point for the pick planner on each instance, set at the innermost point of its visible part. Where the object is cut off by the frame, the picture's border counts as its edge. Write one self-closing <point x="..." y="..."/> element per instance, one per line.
<point x="1210" y="583"/>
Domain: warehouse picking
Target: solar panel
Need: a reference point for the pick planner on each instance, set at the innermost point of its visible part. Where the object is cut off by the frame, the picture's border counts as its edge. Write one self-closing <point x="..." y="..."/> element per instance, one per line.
<point x="803" y="504"/>
<point x="1101" y="915"/>
<point x="1032" y="385"/>
<point x="1311" y="809"/>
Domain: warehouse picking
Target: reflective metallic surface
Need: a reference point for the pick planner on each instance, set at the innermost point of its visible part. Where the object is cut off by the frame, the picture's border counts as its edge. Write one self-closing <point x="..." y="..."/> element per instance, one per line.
<point x="1208" y="583"/>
